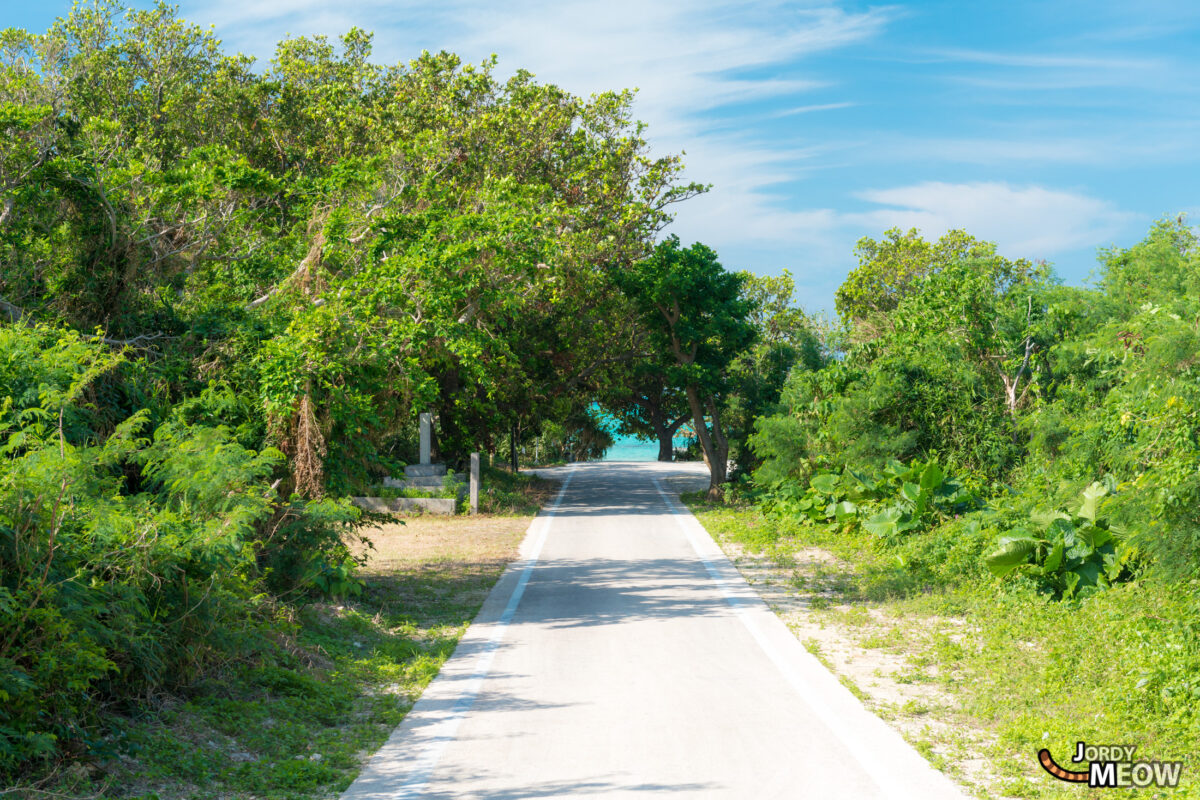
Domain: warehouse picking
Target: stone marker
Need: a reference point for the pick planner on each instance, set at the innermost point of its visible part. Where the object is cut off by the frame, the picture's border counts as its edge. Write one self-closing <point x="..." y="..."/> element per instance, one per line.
<point x="474" y="483"/>
<point x="426" y="437"/>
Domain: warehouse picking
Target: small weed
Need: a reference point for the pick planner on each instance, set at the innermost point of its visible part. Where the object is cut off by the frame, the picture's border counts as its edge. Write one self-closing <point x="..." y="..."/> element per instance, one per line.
<point x="853" y="687"/>
<point x="885" y="639"/>
<point x="813" y="646"/>
<point x="925" y="748"/>
<point x="854" y="616"/>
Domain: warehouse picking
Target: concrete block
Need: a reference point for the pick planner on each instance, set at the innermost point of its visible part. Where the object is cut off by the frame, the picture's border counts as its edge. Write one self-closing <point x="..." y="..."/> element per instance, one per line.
<point x="401" y="505"/>
<point x="424" y="470"/>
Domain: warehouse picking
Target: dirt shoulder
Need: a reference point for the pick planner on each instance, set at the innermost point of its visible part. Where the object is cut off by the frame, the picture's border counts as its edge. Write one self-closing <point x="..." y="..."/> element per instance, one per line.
<point x="884" y="657"/>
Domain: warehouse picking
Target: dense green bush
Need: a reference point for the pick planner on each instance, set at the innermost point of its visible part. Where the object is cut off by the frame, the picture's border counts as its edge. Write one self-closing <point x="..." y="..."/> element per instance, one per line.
<point x="886" y="502"/>
<point x="1067" y="554"/>
<point x="131" y="561"/>
<point x="1029" y="393"/>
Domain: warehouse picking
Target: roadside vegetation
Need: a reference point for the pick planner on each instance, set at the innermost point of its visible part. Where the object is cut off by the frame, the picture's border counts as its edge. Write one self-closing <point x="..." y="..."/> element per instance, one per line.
<point x="295" y="717"/>
<point x="227" y="289"/>
<point x="977" y="676"/>
<point x="987" y="446"/>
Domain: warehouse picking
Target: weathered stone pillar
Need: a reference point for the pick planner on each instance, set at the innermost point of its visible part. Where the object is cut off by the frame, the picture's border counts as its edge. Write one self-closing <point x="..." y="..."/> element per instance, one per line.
<point x="474" y="483"/>
<point x="426" y="437"/>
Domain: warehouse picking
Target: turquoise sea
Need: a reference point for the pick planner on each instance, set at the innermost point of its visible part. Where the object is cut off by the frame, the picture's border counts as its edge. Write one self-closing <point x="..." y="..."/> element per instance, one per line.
<point x="630" y="448"/>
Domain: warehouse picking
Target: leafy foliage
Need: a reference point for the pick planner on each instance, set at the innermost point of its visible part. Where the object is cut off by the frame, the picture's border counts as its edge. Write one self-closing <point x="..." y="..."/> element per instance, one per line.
<point x="226" y="290"/>
<point x="889" y="268"/>
<point x="126" y="564"/>
<point x="1032" y="394"/>
<point x="1068" y="554"/>
<point x="884" y="503"/>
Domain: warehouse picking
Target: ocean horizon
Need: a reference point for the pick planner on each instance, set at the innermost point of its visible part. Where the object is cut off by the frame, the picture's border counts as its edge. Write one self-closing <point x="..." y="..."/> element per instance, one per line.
<point x="631" y="448"/>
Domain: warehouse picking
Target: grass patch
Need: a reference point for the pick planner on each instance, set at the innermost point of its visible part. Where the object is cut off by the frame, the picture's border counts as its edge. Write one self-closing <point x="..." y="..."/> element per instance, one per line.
<point x="513" y="494"/>
<point x="1122" y="666"/>
<point x="297" y="722"/>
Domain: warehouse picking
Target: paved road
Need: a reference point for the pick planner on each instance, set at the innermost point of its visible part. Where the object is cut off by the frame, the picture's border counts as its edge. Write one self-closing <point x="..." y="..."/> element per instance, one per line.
<point x="625" y="657"/>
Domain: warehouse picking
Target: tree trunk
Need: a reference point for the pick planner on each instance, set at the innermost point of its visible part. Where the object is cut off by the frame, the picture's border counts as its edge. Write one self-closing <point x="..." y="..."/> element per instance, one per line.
<point x="658" y="423"/>
<point x="666" y="437"/>
<point x="714" y="459"/>
<point x="720" y="446"/>
<point x="666" y="445"/>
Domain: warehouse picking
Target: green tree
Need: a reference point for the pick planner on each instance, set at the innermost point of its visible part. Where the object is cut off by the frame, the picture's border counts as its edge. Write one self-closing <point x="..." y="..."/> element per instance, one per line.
<point x="946" y="372"/>
<point x="888" y="268"/>
<point x="698" y="319"/>
<point x="786" y="339"/>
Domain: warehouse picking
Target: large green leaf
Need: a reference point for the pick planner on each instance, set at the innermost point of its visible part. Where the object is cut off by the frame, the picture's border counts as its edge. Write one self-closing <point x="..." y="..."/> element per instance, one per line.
<point x="864" y="483"/>
<point x="1115" y="561"/>
<point x="1045" y="519"/>
<point x="884" y="524"/>
<point x="825" y="484"/>
<point x="1088" y="572"/>
<point x="1091" y="500"/>
<point x="1011" y="552"/>
<point x="845" y="510"/>
<point x="932" y="477"/>
<point x="1054" y="559"/>
<point x="1096" y="536"/>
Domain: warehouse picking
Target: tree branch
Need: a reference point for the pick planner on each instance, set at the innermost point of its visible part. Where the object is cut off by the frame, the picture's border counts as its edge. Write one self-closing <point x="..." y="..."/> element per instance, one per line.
<point x="13" y="313"/>
<point x="314" y="255"/>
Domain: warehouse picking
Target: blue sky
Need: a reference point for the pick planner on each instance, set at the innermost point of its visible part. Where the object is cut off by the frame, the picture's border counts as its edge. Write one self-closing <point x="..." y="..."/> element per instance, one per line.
<point x="1052" y="127"/>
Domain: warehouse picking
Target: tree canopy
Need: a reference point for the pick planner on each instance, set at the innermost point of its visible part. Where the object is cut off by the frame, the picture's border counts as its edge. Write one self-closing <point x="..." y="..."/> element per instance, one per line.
<point x="696" y="315"/>
<point x="227" y="290"/>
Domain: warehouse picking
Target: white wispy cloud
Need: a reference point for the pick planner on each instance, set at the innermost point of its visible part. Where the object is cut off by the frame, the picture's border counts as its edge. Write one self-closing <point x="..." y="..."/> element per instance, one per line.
<point x="1029" y="221"/>
<point x="1054" y="140"/>
<point x="809" y="109"/>
<point x="1052" y="61"/>
<point x="1003" y="70"/>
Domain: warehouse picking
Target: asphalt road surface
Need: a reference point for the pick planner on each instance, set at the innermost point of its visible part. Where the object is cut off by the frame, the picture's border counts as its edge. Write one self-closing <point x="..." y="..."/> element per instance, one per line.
<point x="624" y="656"/>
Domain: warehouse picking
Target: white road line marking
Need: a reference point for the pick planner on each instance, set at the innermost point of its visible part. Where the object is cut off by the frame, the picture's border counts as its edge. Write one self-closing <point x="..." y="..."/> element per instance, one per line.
<point x="879" y="774"/>
<point x="444" y="730"/>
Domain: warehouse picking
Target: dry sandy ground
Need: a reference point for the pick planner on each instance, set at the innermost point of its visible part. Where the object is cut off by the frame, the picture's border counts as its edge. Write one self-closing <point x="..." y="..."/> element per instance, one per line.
<point x="429" y="540"/>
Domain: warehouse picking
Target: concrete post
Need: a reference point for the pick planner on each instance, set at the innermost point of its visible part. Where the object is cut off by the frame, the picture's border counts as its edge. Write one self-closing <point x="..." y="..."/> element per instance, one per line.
<point x="474" y="483"/>
<point x="426" y="437"/>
